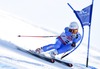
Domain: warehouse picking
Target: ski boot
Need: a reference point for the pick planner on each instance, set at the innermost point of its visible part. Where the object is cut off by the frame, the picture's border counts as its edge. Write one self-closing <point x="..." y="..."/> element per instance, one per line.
<point x="39" y="50"/>
<point x="53" y="54"/>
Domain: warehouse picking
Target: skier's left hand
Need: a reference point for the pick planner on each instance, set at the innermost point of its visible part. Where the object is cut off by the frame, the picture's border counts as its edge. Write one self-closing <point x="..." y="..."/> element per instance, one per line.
<point x="73" y="44"/>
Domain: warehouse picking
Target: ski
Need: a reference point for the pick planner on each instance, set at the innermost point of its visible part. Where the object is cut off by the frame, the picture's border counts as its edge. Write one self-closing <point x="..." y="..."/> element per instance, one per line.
<point x="64" y="63"/>
<point x="45" y="58"/>
<point x="36" y="55"/>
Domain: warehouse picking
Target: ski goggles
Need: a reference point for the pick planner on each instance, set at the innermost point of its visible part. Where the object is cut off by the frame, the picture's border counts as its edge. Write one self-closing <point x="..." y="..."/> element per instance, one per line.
<point x="74" y="31"/>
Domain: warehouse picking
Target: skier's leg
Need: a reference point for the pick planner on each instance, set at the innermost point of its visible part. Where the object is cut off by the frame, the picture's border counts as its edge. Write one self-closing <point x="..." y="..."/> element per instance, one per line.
<point x="64" y="49"/>
<point x="55" y="46"/>
<point x="52" y="46"/>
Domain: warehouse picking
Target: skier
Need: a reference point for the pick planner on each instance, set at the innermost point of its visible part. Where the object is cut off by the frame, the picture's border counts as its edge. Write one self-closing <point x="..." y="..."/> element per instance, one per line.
<point x="64" y="43"/>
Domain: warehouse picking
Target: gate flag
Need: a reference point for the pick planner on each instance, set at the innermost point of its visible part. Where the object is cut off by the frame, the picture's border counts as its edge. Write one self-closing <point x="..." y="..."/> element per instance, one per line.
<point x="84" y="15"/>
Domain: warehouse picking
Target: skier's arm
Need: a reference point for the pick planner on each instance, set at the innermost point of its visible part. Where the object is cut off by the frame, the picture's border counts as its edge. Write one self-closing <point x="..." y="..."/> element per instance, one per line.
<point x="78" y="37"/>
<point x="66" y="29"/>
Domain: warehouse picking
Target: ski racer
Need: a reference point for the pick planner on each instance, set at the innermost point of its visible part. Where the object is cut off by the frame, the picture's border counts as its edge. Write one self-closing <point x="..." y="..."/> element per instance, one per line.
<point x="64" y="42"/>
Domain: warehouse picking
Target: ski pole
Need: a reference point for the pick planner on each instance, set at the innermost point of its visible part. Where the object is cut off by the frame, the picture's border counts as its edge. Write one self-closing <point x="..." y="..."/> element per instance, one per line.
<point x="36" y="36"/>
<point x="64" y="55"/>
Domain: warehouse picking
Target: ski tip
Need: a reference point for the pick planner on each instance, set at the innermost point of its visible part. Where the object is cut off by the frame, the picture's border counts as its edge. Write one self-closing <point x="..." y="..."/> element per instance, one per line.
<point x="70" y="65"/>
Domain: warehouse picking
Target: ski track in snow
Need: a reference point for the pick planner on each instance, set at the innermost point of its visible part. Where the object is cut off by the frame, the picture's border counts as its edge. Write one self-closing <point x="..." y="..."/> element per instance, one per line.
<point x="9" y="63"/>
<point x="17" y="60"/>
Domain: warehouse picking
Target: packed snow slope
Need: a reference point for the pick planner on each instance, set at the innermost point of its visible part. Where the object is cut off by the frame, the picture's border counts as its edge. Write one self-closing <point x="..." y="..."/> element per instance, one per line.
<point x="10" y="58"/>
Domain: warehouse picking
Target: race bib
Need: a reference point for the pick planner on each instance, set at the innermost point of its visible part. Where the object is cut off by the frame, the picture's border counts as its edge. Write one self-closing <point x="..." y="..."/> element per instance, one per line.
<point x="66" y="39"/>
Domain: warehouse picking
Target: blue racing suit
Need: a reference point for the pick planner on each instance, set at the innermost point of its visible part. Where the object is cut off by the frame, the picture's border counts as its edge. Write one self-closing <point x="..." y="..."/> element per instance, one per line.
<point x="65" y="42"/>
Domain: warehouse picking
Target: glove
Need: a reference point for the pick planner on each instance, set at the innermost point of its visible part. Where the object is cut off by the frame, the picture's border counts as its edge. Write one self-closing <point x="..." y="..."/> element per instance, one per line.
<point x="73" y="44"/>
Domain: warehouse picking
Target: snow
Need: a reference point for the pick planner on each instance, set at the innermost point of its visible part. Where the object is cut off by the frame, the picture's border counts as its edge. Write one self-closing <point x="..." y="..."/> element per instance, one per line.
<point x="11" y="26"/>
<point x="10" y="58"/>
